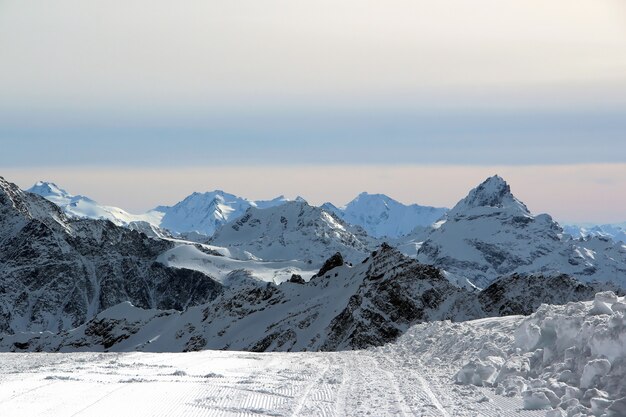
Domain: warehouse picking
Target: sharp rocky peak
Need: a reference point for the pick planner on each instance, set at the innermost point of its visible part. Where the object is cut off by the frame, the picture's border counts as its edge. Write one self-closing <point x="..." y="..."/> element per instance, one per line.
<point x="494" y="192"/>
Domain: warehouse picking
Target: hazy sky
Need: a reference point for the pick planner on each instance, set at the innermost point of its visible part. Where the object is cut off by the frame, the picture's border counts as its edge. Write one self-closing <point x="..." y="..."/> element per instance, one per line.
<point x="138" y="102"/>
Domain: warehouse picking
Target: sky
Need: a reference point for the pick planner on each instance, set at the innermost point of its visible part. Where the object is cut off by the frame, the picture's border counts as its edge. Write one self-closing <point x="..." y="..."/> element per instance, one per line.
<point x="140" y="102"/>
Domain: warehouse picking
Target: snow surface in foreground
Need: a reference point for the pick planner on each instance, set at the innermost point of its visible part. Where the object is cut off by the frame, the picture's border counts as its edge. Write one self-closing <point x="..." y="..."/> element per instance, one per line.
<point x="380" y="382"/>
<point x="561" y="361"/>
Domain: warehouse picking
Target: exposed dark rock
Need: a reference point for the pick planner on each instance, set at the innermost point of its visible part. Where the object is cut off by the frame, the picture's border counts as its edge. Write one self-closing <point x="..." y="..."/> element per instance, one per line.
<point x="195" y="344"/>
<point x="278" y="339"/>
<point x="105" y="331"/>
<point x="21" y="346"/>
<point x="297" y="279"/>
<point x="523" y="294"/>
<point x="331" y="263"/>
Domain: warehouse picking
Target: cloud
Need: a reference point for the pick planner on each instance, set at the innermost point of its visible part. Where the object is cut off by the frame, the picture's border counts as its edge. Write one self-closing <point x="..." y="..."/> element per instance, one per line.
<point x="331" y="137"/>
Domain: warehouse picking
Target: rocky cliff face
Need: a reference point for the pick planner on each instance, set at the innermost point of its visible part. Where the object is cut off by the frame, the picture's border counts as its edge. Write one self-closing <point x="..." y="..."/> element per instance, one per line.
<point x="523" y="294"/>
<point x="56" y="273"/>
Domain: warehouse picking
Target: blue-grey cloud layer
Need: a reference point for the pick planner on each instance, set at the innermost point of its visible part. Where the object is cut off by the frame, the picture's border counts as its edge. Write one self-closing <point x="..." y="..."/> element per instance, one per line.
<point x="489" y="137"/>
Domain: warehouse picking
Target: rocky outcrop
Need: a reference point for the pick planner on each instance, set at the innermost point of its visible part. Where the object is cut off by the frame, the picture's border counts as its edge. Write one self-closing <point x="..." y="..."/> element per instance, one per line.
<point x="331" y="263"/>
<point x="523" y="294"/>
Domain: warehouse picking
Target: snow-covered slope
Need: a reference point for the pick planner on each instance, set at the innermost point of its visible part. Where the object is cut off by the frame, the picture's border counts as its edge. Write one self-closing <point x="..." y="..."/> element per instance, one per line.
<point x="561" y="361"/>
<point x="57" y="272"/>
<point x="204" y="213"/>
<point x="219" y="263"/>
<point x="294" y="230"/>
<point x="84" y="207"/>
<point x="380" y="383"/>
<point x="341" y="307"/>
<point x="382" y="216"/>
<point x="617" y="232"/>
<point x="490" y="233"/>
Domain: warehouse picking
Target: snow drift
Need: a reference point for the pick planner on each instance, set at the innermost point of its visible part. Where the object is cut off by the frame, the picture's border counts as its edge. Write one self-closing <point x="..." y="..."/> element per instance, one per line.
<point x="569" y="359"/>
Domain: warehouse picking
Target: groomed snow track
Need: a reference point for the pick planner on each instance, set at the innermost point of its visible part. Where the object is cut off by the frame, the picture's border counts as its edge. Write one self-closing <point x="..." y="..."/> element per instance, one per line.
<point x="217" y="383"/>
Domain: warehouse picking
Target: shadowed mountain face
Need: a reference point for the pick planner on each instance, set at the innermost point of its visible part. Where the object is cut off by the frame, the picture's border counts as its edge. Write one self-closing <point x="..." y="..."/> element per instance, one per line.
<point x="56" y="273"/>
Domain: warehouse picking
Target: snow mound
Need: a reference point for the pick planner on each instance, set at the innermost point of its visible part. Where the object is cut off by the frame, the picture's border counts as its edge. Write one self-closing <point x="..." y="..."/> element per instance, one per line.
<point x="569" y="359"/>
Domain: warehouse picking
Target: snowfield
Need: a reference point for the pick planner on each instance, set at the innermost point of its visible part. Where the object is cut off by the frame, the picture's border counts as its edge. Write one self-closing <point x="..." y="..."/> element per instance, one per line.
<point x="216" y="383"/>
<point x="561" y="361"/>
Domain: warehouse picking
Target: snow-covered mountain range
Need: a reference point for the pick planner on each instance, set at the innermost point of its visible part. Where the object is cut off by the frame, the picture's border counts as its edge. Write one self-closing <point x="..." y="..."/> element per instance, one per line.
<point x="490" y="233"/>
<point x="204" y="213"/>
<point x="382" y="216"/>
<point x="261" y="281"/>
<point x="200" y="215"/>
<point x="290" y="277"/>
<point x="616" y="231"/>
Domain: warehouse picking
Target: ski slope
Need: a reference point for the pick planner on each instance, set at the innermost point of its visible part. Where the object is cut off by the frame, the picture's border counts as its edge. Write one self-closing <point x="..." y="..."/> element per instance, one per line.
<point x="413" y="377"/>
<point x="216" y="383"/>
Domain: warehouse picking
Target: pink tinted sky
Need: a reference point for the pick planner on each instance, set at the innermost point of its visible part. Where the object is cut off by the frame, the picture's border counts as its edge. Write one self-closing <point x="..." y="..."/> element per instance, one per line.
<point x="570" y="193"/>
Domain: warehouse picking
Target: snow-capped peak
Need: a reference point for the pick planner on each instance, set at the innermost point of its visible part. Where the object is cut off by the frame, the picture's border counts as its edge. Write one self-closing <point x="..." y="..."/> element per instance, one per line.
<point x="381" y="215"/>
<point x="204" y="213"/>
<point x="48" y="189"/>
<point x="379" y="200"/>
<point x="494" y="192"/>
<point x="84" y="207"/>
<point x="490" y="233"/>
